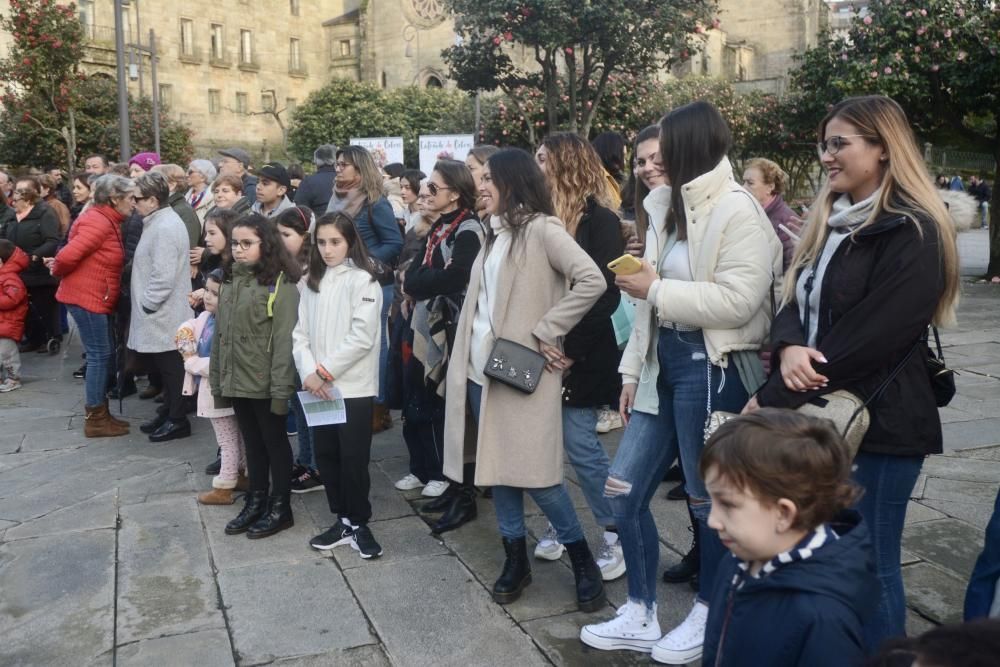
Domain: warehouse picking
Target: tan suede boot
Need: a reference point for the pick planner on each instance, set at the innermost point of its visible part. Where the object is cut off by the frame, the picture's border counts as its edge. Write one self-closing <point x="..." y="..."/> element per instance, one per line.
<point x="381" y="418"/>
<point x="98" y="424"/>
<point x="216" y="497"/>
<point x="115" y="420"/>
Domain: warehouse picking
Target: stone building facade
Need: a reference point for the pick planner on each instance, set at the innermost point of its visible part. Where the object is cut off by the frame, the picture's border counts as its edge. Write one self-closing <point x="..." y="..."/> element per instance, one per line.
<point x="234" y="70"/>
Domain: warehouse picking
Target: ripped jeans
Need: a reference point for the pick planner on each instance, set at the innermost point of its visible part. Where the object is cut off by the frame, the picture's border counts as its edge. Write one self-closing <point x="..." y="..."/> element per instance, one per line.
<point x="650" y="444"/>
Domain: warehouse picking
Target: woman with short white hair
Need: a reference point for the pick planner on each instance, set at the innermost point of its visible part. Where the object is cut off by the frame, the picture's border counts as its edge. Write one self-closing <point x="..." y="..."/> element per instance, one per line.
<point x="200" y="175"/>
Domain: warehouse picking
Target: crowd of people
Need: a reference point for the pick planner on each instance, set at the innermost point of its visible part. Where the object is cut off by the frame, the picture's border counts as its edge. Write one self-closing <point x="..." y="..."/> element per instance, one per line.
<point x="513" y="306"/>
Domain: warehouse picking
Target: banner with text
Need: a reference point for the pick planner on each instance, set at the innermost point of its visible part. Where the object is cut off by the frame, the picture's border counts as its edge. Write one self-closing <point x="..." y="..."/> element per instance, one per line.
<point x="434" y="147"/>
<point x="385" y="150"/>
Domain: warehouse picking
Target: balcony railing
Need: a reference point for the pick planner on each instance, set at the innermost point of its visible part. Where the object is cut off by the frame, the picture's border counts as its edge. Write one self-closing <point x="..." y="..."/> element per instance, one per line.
<point x="193" y="55"/>
<point x="297" y="68"/>
<point x="219" y="59"/>
<point x="100" y="35"/>
<point x="250" y="64"/>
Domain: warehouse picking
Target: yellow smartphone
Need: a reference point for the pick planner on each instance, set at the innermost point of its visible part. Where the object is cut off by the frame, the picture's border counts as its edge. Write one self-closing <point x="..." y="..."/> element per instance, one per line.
<point x="625" y="265"/>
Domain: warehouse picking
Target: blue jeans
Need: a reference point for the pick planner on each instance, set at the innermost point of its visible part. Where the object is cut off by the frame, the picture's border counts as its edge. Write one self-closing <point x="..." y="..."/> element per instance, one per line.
<point x="981" y="595"/>
<point x="652" y="442"/>
<point x="305" y="456"/>
<point x="508" y="501"/>
<point x="589" y="459"/>
<point x="95" y="334"/>
<point x="388" y="291"/>
<point x="887" y="482"/>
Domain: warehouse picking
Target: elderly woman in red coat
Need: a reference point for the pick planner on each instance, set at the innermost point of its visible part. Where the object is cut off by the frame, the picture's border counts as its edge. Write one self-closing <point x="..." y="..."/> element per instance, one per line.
<point x="90" y="266"/>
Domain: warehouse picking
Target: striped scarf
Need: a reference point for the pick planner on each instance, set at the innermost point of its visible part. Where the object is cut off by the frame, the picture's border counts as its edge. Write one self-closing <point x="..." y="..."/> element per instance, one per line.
<point x="806" y="547"/>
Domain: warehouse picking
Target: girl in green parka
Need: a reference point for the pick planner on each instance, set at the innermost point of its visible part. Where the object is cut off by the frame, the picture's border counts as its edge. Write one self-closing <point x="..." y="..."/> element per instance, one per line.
<point x="252" y="369"/>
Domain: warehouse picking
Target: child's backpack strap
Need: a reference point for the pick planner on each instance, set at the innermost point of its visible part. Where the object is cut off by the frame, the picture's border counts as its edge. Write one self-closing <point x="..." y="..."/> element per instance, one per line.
<point x="272" y="294"/>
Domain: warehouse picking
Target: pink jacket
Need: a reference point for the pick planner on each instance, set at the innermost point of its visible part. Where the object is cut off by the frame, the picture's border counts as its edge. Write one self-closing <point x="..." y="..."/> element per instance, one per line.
<point x="198" y="366"/>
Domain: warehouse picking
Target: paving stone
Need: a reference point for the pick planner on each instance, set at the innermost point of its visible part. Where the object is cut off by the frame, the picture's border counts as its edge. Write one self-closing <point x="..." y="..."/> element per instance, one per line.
<point x="959" y="491"/>
<point x="210" y="648"/>
<point x="165" y="583"/>
<point x="958" y="468"/>
<point x="176" y="480"/>
<point x="559" y="637"/>
<point x="42" y="424"/>
<point x="907" y="558"/>
<point x="934" y="592"/>
<point x="988" y="351"/>
<point x="977" y="514"/>
<point x="951" y="414"/>
<point x="19" y="415"/>
<point x="976" y="433"/>
<point x="918" y="487"/>
<point x="952" y="339"/>
<point x="322" y="616"/>
<point x="237" y="551"/>
<point x="403" y="538"/>
<point x="49" y="440"/>
<point x="917" y="512"/>
<point x="10" y="444"/>
<point x="477" y="630"/>
<point x="100" y="511"/>
<point x="950" y="543"/>
<point x="360" y="656"/>
<point x="11" y="461"/>
<point x="982" y="453"/>
<point x="916" y="624"/>
<point x="57" y="606"/>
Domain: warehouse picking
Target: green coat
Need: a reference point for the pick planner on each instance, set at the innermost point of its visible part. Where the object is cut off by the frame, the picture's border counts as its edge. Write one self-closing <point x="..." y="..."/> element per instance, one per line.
<point x="252" y="352"/>
<point x="192" y="223"/>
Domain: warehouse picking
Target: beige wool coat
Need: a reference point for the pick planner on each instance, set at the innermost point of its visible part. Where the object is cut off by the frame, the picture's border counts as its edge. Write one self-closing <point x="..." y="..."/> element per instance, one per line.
<point x="544" y="288"/>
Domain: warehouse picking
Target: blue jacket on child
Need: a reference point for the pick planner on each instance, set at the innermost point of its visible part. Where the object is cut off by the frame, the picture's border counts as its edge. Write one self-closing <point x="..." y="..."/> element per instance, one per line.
<point x="806" y="612"/>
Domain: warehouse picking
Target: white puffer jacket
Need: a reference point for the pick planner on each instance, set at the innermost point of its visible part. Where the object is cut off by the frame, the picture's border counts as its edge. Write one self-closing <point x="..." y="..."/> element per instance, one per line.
<point x="736" y="265"/>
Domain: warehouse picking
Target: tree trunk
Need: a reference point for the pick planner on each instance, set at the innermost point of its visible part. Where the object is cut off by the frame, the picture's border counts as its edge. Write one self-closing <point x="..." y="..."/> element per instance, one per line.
<point x="71" y="146"/>
<point x="994" y="266"/>
<point x="570" y="60"/>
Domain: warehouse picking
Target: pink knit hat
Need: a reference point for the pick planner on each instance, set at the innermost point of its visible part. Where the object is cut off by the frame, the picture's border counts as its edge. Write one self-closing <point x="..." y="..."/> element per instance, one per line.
<point x="145" y="160"/>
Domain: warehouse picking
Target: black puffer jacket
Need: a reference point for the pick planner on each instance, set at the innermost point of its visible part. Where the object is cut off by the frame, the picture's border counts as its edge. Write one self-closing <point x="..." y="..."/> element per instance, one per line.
<point x="878" y="296"/>
<point x="593" y="378"/>
<point x="443" y="278"/>
<point x="316" y="189"/>
<point x="38" y="236"/>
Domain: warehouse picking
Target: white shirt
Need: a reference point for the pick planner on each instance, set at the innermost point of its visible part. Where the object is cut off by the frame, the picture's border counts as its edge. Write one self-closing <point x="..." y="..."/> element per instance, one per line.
<point x="482" y="332"/>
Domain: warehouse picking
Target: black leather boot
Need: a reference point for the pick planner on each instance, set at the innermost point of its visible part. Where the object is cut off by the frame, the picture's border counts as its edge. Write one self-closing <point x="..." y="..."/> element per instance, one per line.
<point x="590" y="594"/>
<point x="687" y="569"/>
<point x="516" y="572"/>
<point x="254" y="506"/>
<point x="442" y="502"/>
<point x="153" y="424"/>
<point x="277" y="518"/>
<point x="461" y="511"/>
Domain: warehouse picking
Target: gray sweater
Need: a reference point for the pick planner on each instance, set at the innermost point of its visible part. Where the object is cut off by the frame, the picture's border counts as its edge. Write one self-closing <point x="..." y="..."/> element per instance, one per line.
<point x="161" y="280"/>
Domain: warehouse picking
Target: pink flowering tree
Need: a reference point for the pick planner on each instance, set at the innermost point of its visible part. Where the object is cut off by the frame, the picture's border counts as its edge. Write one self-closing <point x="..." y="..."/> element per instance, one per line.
<point x="940" y="59"/>
<point x="40" y="73"/>
<point x="571" y="48"/>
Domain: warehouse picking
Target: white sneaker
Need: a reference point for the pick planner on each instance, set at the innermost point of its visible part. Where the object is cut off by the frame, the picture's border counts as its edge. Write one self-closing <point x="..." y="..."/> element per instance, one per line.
<point x="548" y="548"/>
<point x="608" y="420"/>
<point x="10" y="384"/>
<point x="434" y="488"/>
<point x="634" y="628"/>
<point x="610" y="558"/>
<point x="683" y="644"/>
<point x="409" y="483"/>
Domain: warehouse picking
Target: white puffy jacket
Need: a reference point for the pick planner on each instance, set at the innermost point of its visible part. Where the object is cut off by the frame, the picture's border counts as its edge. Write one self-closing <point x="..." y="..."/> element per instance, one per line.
<point x="736" y="266"/>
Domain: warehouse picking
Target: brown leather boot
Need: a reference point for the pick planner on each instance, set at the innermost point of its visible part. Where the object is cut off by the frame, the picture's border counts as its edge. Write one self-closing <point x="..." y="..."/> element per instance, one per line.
<point x="115" y="420"/>
<point x="216" y="497"/>
<point x="98" y="424"/>
<point x="242" y="483"/>
<point x="381" y="418"/>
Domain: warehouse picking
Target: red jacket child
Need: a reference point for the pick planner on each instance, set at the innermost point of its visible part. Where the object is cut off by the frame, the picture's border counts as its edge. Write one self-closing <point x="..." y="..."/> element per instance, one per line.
<point x="13" y="296"/>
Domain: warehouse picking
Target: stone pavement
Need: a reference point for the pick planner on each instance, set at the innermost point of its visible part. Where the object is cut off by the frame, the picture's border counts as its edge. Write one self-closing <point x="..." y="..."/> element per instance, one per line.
<point x="106" y="558"/>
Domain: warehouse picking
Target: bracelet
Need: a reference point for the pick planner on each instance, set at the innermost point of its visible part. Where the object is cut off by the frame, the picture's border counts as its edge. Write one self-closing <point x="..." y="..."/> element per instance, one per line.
<point x="323" y="373"/>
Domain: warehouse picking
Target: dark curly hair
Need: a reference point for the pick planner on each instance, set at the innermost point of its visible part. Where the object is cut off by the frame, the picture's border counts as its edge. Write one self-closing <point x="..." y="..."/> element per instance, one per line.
<point x="274" y="259"/>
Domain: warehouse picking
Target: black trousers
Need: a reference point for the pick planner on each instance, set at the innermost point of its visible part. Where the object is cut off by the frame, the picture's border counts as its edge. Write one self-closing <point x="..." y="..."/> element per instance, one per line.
<point x="43" y="322"/>
<point x="170" y="367"/>
<point x="343" y="452"/>
<point x="423" y="424"/>
<point x="268" y="451"/>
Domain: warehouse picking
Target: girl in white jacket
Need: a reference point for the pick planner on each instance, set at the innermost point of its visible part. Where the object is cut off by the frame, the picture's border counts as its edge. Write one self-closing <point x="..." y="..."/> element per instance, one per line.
<point x="336" y="343"/>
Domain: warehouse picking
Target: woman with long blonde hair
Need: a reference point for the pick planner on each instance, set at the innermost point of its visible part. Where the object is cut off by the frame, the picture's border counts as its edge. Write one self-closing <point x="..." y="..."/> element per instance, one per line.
<point x="583" y="199"/>
<point x="877" y="264"/>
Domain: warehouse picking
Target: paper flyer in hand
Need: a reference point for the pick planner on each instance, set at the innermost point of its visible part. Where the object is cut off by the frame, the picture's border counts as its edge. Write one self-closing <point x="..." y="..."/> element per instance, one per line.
<point x="320" y="412"/>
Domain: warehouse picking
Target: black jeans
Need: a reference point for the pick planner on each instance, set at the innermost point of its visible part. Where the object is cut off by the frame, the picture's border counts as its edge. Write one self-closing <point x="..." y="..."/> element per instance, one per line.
<point x="423" y="424"/>
<point x="169" y="366"/>
<point x="43" y="322"/>
<point x="267" y="447"/>
<point x="343" y="452"/>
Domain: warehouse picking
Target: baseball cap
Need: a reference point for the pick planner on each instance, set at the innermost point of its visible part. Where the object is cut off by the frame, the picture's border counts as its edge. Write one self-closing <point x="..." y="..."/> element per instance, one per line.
<point x="237" y="154"/>
<point x="275" y="171"/>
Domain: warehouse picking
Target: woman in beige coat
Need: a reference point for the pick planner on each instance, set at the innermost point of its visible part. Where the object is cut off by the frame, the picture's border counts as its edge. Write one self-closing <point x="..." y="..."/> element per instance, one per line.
<point x="530" y="284"/>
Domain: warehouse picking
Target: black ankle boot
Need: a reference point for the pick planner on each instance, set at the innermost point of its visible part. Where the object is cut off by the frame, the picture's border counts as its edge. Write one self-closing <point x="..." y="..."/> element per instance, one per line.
<point x="516" y="572"/>
<point x="277" y="518"/>
<point x="589" y="584"/>
<point x="687" y="569"/>
<point x="442" y="502"/>
<point x="461" y="511"/>
<point x="254" y="506"/>
<point x="153" y="424"/>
